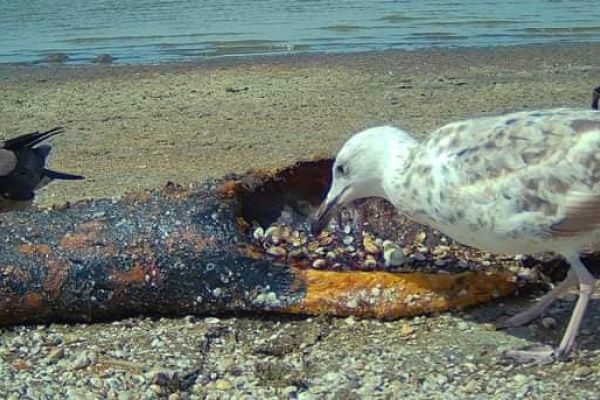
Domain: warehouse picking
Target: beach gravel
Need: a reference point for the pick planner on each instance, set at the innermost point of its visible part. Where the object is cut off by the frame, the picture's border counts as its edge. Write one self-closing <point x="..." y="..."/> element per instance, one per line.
<point x="126" y="123"/>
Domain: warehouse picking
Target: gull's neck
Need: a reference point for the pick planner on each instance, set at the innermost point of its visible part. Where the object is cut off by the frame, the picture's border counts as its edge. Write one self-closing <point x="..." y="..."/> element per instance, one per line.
<point x="401" y="151"/>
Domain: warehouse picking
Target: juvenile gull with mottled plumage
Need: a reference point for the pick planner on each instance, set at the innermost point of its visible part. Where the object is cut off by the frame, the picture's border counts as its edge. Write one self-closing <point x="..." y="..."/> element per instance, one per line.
<point x="525" y="182"/>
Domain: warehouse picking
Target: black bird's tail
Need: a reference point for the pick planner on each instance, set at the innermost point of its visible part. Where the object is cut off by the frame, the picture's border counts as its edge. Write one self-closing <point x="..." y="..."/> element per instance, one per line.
<point x="595" y="98"/>
<point x="61" y="175"/>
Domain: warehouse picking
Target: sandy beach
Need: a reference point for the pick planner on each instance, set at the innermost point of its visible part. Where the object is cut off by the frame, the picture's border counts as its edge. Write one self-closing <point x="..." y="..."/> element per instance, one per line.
<point x="135" y="127"/>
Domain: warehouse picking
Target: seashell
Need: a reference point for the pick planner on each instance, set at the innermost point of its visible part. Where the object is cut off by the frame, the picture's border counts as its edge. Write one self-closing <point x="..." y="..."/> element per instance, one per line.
<point x="296" y="253"/>
<point x="440" y="263"/>
<point x="277" y="251"/>
<point x="420" y="238"/>
<point x="285" y="233"/>
<point x="347" y="229"/>
<point x="331" y="254"/>
<point x="348" y="240"/>
<point x="393" y="255"/>
<point x="258" y="233"/>
<point x="350" y="249"/>
<point x="319" y="263"/>
<point x="370" y="262"/>
<point x="273" y="234"/>
<point x="313" y="246"/>
<point x="326" y="241"/>
<point x="321" y="250"/>
<point x="339" y="250"/>
<point x="418" y="256"/>
<point x="370" y="246"/>
<point x="324" y="234"/>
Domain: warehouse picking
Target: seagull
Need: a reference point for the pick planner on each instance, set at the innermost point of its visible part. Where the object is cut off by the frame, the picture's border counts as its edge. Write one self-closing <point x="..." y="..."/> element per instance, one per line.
<point x="23" y="168"/>
<point x="519" y="183"/>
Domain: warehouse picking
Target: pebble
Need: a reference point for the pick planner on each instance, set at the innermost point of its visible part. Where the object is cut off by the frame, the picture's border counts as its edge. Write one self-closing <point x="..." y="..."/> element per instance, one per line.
<point x="521" y="379"/>
<point x="348" y="240"/>
<point x="352" y="303"/>
<point x="125" y="395"/>
<point x="223" y="384"/>
<point x="82" y="361"/>
<point x="155" y="388"/>
<point x="56" y="354"/>
<point x="548" y="322"/>
<point x="582" y="371"/>
<point x="463" y="326"/>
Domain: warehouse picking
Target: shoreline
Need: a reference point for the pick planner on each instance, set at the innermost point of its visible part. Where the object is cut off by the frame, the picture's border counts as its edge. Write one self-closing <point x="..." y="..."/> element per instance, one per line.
<point x="125" y="123"/>
<point x="68" y="70"/>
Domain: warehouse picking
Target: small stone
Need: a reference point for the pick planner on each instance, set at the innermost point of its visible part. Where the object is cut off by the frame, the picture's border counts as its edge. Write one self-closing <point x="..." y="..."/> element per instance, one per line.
<point x="81" y="361"/>
<point x="463" y="326"/>
<point x="348" y="240"/>
<point x="319" y="263"/>
<point x="56" y="354"/>
<point x="489" y="326"/>
<point x="583" y="371"/>
<point x="104" y="59"/>
<point x="406" y="329"/>
<point x="289" y="391"/>
<point x="521" y="379"/>
<point x="223" y="384"/>
<point x="174" y="396"/>
<point x="155" y="388"/>
<point x="471" y="387"/>
<point x="352" y="303"/>
<point x="162" y="377"/>
<point x="96" y="382"/>
<point x="548" y="322"/>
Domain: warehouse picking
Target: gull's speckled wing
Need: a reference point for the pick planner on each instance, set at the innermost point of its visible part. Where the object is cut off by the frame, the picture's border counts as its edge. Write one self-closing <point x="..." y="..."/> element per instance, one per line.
<point x="520" y="169"/>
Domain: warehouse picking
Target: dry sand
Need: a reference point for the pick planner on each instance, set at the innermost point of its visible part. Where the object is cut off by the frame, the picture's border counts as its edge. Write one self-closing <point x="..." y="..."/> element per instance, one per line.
<point x="134" y="127"/>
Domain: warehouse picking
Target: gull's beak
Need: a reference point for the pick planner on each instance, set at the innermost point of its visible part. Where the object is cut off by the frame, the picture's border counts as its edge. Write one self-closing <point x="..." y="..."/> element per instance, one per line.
<point x="327" y="209"/>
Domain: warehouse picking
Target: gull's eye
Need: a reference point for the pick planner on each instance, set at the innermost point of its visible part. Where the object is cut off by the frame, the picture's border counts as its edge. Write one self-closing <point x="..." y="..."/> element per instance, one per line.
<point x="340" y="169"/>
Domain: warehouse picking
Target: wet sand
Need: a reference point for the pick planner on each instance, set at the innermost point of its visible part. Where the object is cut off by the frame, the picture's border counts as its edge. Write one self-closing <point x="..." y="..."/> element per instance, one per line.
<point x="136" y="127"/>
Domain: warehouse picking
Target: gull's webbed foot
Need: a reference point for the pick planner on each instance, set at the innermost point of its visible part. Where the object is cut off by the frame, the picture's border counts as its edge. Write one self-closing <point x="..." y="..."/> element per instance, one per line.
<point x="536" y="354"/>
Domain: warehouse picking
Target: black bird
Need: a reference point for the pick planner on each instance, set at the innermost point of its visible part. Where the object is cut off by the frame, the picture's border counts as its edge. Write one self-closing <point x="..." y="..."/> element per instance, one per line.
<point x="23" y="168"/>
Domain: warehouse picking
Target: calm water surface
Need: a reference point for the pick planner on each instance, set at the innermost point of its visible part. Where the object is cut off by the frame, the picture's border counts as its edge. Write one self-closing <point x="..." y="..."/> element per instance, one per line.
<point x="150" y="31"/>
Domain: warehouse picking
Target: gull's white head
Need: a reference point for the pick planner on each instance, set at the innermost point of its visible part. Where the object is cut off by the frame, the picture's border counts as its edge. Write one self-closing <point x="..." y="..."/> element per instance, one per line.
<point x="360" y="166"/>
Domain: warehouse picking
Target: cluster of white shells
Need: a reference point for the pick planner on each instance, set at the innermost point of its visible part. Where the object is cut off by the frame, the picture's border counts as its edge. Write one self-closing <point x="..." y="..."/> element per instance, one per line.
<point x="329" y="249"/>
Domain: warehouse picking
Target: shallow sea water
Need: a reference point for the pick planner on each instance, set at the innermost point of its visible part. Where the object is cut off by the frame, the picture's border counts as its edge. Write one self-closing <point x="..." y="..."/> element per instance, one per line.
<point x="150" y="31"/>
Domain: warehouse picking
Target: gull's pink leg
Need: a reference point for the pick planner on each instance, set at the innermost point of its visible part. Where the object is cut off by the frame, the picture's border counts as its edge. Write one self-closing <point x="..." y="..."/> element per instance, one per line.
<point x="543" y="303"/>
<point x="546" y="354"/>
<point x="586" y="288"/>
